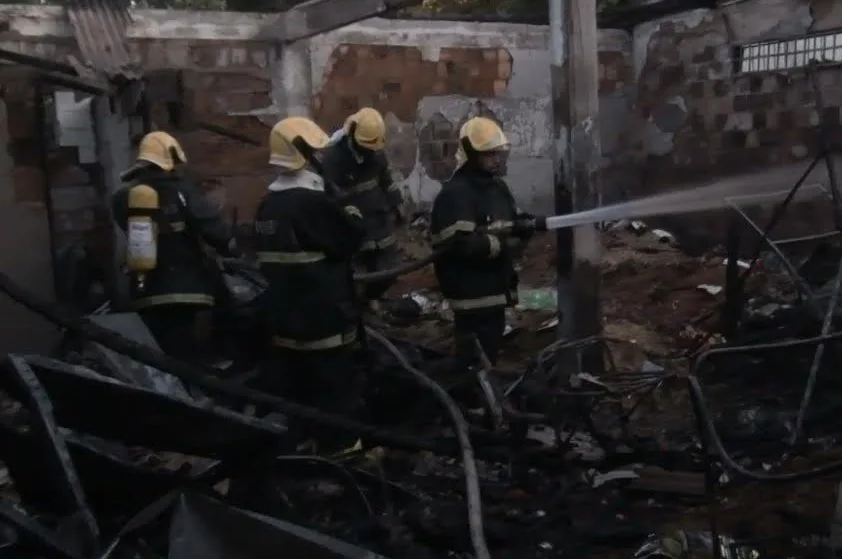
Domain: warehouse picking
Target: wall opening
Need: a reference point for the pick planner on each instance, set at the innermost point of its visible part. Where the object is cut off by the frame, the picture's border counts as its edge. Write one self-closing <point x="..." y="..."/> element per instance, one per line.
<point x="823" y="49"/>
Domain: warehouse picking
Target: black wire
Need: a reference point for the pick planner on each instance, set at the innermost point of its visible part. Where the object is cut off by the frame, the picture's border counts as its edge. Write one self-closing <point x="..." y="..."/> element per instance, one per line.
<point x="469" y="465"/>
<point x="345" y="472"/>
<point x="703" y="413"/>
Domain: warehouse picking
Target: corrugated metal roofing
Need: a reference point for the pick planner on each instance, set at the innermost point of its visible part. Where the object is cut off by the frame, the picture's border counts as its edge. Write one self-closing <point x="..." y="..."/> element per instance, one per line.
<point x="100" y="30"/>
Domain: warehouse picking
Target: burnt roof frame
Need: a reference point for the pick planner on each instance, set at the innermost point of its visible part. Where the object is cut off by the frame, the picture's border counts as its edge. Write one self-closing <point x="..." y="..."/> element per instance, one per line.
<point x="56" y="73"/>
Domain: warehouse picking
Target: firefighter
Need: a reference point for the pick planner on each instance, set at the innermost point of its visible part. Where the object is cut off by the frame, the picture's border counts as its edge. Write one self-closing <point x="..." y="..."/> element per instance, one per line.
<point x="168" y="223"/>
<point x="476" y="230"/>
<point x="355" y="161"/>
<point x="305" y="241"/>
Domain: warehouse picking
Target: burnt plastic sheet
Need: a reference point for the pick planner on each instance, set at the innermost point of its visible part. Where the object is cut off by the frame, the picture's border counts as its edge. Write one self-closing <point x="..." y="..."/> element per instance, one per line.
<point x="87" y="402"/>
<point x="32" y="539"/>
<point x="62" y="479"/>
<point x="131" y="326"/>
<point x="203" y="528"/>
<point x="113" y="484"/>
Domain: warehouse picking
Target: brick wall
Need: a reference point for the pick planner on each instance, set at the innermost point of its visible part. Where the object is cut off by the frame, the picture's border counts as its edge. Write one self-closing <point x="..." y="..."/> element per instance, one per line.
<point x="394" y="79"/>
<point x="700" y="119"/>
<point x="223" y="78"/>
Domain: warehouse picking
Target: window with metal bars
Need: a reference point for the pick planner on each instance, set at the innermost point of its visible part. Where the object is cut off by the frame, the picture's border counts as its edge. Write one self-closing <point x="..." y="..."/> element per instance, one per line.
<point x="788" y="54"/>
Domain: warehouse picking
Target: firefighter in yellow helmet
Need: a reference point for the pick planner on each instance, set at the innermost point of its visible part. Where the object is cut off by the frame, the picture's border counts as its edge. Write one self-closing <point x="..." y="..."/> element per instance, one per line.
<point x="356" y="162"/>
<point x="168" y="224"/>
<point x="477" y="229"/>
<point x="305" y="242"/>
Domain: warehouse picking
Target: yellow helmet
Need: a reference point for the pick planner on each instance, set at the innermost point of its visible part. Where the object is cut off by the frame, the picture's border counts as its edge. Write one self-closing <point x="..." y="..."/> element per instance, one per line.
<point x="161" y="149"/>
<point x="369" y="129"/>
<point x="292" y="135"/>
<point x="480" y="134"/>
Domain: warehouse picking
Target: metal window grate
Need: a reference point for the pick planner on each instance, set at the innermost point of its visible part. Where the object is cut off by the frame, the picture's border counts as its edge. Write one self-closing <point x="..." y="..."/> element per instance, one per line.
<point x="788" y="54"/>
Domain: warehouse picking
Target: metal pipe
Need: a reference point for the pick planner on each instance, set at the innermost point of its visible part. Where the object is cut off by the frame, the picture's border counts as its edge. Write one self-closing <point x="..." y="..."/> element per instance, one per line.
<point x="562" y="194"/>
<point x="44" y="161"/>
<point x="37" y="62"/>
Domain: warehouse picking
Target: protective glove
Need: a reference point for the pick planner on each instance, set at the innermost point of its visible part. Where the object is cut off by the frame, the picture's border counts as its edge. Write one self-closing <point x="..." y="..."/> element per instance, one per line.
<point x="511" y="244"/>
<point x="526" y="224"/>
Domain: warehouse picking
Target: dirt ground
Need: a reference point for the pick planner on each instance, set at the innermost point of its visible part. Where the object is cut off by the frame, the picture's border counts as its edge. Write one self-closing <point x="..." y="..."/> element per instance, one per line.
<point x="653" y="309"/>
<point x="651" y="300"/>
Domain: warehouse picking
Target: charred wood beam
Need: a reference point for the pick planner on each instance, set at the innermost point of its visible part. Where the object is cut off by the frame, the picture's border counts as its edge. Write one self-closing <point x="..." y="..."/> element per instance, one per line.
<point x="37" y="62"/>
<point x="70" y="82"/>
<point x="33" y="537"/>
<point x="206" y="377"/>
<point x="65" y="481"/>
<point x="227" y="133"/>
<point x="622" y="17"/>
<point x="320" y="16"/>
<point x="627" y="17"/>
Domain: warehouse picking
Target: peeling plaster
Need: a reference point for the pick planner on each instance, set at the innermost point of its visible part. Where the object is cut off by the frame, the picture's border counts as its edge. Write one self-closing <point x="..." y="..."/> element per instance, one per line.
<point x="655" y="140"/>
<point x="766" y="19"/>
<point x="643" y="34"/>
<point x="670" y="116"/>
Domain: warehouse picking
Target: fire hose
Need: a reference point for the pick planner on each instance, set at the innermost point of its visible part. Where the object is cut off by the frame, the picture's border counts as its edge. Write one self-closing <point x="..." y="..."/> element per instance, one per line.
<point x="205" y="378"/>
<point x="708" y="428"/>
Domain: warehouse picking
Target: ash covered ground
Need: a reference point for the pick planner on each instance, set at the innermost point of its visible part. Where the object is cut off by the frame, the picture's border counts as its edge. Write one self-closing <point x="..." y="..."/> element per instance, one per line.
<point x="615" y="468"/>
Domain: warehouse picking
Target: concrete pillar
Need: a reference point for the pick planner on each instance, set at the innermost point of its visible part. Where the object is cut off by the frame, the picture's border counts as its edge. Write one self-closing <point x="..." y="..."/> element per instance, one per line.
<point x="293" y="80"/>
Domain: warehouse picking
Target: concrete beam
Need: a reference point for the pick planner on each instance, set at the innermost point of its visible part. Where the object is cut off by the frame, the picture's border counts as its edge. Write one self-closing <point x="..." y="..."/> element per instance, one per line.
<point x="321" y="16"/>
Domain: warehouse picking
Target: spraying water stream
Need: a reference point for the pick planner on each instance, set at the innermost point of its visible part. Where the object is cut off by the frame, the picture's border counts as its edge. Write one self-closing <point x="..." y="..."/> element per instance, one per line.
<point x="749" y="189"/>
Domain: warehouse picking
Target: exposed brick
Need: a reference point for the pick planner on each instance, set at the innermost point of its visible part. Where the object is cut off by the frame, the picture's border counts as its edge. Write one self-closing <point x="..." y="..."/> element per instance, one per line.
<point x="697" y="90"/>
<point x="672" y="76"/>
<point x="21" y="120"/>
<point x="385" y="83"/>
<point x="708" y="54"/>
<point x="721" y="88"/>
<point x="735" y="139"/>
<point x="742" y="103"/>
<point x="830" y="116"/>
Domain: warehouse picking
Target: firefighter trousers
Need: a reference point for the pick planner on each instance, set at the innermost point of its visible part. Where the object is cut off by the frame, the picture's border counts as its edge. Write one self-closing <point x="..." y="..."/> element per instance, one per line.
<point x="486" y="326"/>
<point x="322" y="379"/>
<point x="178" y="328"/>
<point x="368" y="261"/>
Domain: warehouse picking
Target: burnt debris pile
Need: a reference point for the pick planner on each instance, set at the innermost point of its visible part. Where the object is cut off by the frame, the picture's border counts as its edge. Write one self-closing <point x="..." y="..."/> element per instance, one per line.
<point x="113" y="449"/>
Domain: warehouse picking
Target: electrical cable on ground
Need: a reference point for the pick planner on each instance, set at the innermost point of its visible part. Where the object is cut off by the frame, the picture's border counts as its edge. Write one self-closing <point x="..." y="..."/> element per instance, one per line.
<point x="469" y="465"/>
<point x="345" y="473"/>
<point x="397" y="271"/>
<point x="827" y="323"/>
<point x="710" y="435"/>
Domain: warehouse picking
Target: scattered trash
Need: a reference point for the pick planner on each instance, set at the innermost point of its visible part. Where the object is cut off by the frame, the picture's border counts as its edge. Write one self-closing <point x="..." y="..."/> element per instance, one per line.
<point x="548" y="325"/>
<point x="538" y="299"/>
<point x="688" y="545"/>
<point x="740" y="263"/>
<point x="663" y="236"/>
<point x="710" y="289"/>
<point x="613" y="475"/>
<point x="650" y="367"/>
<point x="638" y="227"/>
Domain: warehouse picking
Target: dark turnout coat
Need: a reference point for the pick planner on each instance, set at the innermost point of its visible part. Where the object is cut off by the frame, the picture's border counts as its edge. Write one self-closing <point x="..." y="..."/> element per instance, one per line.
<point x="471" y="214"/>
<point x="184" y="274"/>
<point x="305" y="243"/>
<point x="365" y="181"/>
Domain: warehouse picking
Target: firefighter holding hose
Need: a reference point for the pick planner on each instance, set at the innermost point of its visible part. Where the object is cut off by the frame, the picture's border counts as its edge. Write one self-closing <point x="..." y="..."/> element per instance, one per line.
<point x="477" y="230"/>
<point x="305" y="240"/>
<point x="356" y="163"/>
<point x="169" y="224"/>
